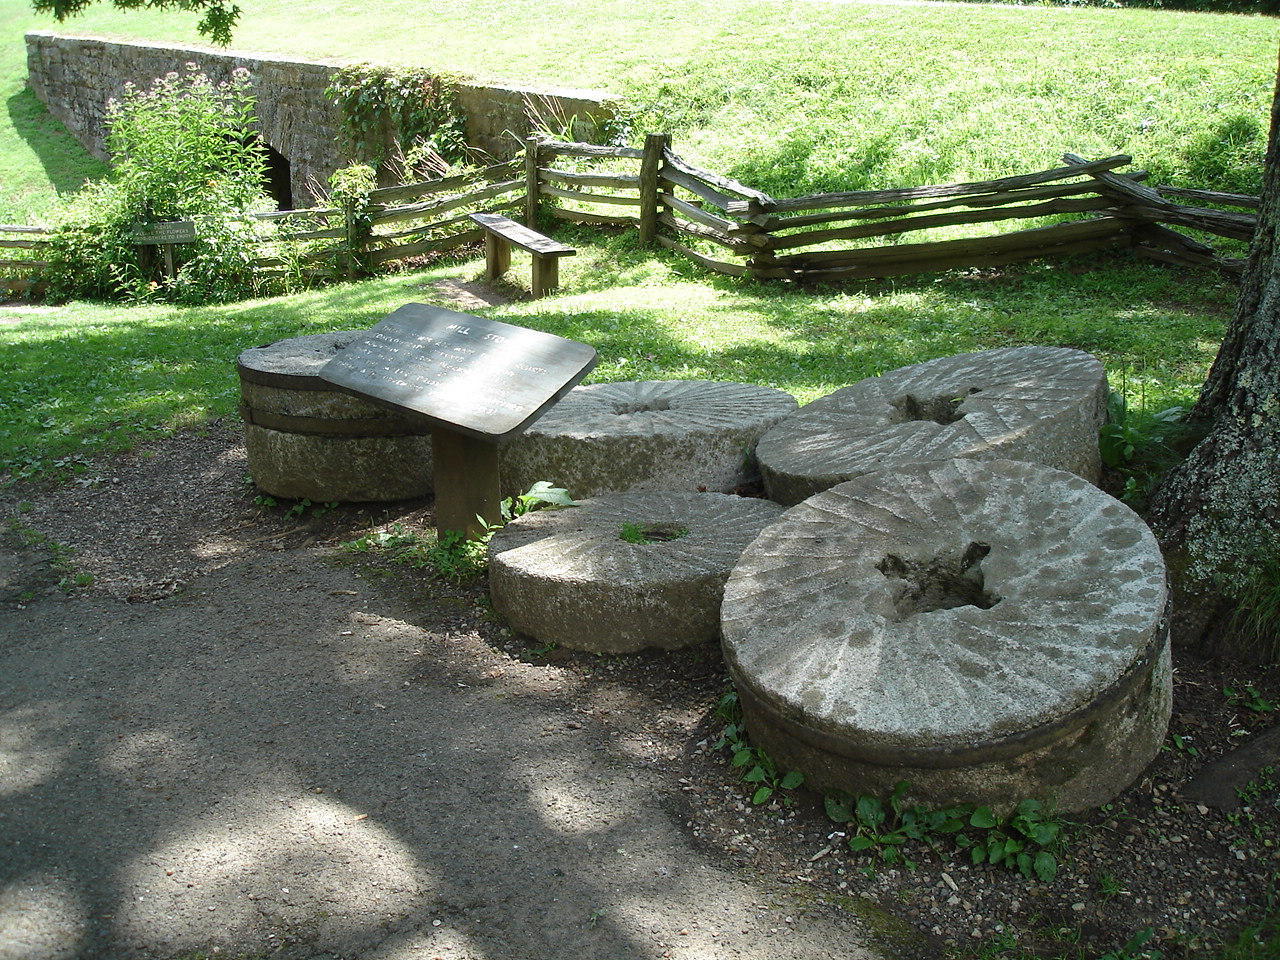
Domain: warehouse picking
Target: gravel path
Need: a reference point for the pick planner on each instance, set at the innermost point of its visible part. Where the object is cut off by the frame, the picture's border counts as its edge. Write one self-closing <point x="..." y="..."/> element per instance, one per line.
<point x="240" y="736"/>
<point x="232" y="739"/>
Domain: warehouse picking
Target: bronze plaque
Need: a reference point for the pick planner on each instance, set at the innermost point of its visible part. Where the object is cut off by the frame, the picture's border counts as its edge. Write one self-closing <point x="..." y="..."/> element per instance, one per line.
<point x="480" y="377"/>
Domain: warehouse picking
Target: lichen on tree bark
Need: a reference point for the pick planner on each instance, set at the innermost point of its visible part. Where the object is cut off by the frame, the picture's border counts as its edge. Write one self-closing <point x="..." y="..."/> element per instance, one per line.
<point x="1218" y="512"/>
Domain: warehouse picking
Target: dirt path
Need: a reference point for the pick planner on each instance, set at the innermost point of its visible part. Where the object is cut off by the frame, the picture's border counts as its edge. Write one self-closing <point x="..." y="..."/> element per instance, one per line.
<point x="234" y="738"/>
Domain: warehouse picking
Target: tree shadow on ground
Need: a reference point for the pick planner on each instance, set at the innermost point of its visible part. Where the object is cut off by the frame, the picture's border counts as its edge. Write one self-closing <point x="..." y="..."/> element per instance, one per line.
<point x="66" y="163"/>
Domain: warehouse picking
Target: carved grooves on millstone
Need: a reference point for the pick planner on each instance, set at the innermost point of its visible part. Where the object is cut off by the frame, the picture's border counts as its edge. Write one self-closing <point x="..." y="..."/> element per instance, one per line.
<point x="685" y="435"/>
<point x="1039" y="404"/>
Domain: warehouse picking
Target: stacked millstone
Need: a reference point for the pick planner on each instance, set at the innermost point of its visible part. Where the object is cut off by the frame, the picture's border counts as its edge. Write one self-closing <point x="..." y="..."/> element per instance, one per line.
<point x="1041" y="404"/>
<point x="953" y="603"/>
<point x="646" y="435"/>
<point x="307" y="440"/>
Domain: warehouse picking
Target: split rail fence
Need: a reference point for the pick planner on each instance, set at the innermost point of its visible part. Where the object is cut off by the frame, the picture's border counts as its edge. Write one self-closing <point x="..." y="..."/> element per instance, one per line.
<point x="731" y="228"/>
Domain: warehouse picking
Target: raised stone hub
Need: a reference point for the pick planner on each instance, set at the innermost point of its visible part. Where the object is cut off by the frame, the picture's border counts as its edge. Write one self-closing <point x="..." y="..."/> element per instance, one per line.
<point x="1042" y="404"/>
<point x="987" y="631"/>
<point x="569" y="577"/>
<point x="647" y="435"/>
<point x="306" y="440"/>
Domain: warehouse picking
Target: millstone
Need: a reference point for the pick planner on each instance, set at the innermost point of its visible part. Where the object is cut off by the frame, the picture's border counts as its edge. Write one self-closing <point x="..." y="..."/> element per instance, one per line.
<point x="987" y="631"/>
<point x="649" y="435"/>
<point x="568" y="577"/>
<point x="1041" y="404"/>
<point x="307" y="440"/>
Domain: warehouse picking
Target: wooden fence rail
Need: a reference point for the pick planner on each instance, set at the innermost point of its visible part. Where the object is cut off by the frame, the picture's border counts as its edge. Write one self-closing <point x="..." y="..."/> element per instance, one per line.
<point x="731" y="228"/>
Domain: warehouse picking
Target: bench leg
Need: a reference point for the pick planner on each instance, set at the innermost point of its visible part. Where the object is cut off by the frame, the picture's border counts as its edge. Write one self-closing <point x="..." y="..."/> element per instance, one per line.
<point x="497" y="256"/>
<point x="546" y="275"/>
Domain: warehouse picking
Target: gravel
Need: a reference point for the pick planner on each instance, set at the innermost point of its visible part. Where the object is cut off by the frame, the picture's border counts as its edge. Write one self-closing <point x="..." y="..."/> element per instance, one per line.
<point x="1159" y="857"/>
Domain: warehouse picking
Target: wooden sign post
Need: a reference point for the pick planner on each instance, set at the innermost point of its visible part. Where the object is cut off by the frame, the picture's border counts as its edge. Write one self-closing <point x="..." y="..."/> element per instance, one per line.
<point x="164" y="235"/>
<point x="477" y="381"/>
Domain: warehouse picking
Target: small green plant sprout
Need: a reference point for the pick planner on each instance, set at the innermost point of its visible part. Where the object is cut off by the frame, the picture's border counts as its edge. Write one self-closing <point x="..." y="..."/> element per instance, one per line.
<point x="1249" y="698"/>
<point x="651" y="532"/>
<point x="390" y="537"/>
<point x="1109" y="887"/>
<point x="755" y="766"/>
<point x="1182" y="743"/>
<point x="1135" y="948"/>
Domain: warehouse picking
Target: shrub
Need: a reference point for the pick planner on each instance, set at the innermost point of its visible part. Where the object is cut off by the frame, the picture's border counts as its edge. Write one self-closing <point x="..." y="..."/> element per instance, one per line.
<point x="182" y="150"/>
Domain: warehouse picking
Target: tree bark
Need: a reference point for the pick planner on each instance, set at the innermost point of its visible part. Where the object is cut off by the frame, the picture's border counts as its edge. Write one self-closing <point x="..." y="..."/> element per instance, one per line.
<point x="1219" y="510"/>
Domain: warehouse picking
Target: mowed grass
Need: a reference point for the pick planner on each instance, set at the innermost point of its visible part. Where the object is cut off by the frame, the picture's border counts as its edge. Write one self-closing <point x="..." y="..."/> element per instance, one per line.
<point x="83" y="379"/>
<point x="790" y="97"/>
<point x="807" y="96"/>
<point x="39" y="161"/>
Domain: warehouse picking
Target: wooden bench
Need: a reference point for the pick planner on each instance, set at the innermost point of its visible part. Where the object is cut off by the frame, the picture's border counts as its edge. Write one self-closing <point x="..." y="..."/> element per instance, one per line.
<point x="501" y="232"/>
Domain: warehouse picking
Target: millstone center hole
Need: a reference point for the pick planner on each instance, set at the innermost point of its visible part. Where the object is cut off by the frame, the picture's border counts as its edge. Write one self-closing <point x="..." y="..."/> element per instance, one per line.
<point x="951" y="579"/>
<point x="622" y="409"/>
<point x="943" y="410"/>
<point x="642" y="533"/>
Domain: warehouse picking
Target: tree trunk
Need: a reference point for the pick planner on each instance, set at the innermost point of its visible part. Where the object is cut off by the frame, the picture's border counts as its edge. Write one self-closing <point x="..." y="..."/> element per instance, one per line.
<point x="1219" y="511"/>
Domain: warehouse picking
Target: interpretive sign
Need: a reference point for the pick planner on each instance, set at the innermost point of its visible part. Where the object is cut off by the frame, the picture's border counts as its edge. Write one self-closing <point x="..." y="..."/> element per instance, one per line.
<point x="155" y="234"/>
<point x="480" y="377"/>
<point x="476" y="380"/>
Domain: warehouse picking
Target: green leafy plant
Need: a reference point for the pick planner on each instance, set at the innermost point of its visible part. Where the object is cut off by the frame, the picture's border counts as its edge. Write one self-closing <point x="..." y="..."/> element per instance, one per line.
<point x="406" y="117"/>
<point x="1025" y="840"/>
<point x="1138" y="445"/>
<point x="181" y="150"/>
<point x="350" y="188"/>
<point x="885" y="828"/>
<point x="1249" y="698"/>
<point x="455" y="556"/>
<point x="755" y="767"/>
<point x="541" y="494"/>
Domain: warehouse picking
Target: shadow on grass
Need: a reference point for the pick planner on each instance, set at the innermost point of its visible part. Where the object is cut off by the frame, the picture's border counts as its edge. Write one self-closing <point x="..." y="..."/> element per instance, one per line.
<point x="90" y="378"/>
<point x="66" y="163"/>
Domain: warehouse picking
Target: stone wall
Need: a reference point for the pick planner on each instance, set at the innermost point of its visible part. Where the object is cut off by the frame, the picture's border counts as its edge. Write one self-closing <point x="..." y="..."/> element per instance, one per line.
<point x="75" y="77"/>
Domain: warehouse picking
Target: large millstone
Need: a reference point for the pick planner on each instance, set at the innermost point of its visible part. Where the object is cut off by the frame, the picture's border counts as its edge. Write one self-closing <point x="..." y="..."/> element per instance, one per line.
<point x="307" y="440"/>
<point x="647" y="435"/>
<point x="1042" y="404"/>
<point x="568" y="577"/>
<point x="987" y="631"/>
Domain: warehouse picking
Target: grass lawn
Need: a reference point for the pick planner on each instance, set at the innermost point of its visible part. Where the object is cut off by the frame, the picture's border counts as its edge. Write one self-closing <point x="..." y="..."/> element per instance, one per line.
<point x="791" y="97"/>
<point x="799" y="97"/>
<point x="86" y="378"/>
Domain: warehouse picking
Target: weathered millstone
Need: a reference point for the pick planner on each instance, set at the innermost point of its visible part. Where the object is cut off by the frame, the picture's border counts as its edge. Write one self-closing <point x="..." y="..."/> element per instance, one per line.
<point x="307" y="440"/>
<point x="646" y="435"/>
<point x="1041" y="404"/>
<point x="987" y="631"/>
<point x="568" y="577"/>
